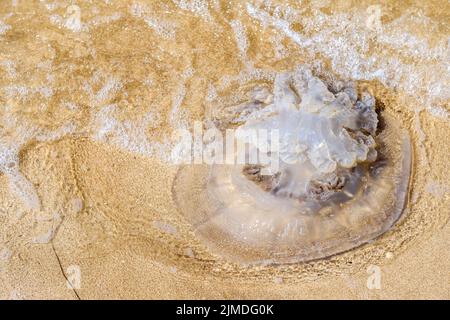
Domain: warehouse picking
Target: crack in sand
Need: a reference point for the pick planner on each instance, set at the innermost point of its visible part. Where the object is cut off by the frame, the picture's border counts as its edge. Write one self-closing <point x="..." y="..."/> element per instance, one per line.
<point x="59" y="260"/>
<point x="63" y="273"/>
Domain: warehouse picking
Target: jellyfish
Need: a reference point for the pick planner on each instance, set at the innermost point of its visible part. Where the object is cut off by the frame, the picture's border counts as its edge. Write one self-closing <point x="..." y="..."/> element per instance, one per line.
<point x="341" y="180"/>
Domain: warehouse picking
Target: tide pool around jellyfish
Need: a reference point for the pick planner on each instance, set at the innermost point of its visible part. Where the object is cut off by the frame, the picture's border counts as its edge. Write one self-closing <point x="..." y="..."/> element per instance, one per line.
<point x="342" y="178"/>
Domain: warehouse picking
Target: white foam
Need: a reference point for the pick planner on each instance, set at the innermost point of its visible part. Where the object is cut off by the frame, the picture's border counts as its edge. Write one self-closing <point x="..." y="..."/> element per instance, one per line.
<point x="178" y="115"/>
<point x="126" y="135"/>
<point x="344" y="39"/>
<point x="4" y="27"/>
<point x="46" y="92"/>
<point x="72" y="23"/>
<point x="10" y="68"/>
<point x="279" y="49"/>
<point x="18" y="184"/>
<point x="137" y="9"/>
<point x="163" y="27"/>
<point x="99" y="20"/>
<point x="198" y="7"/>
<point x="439" y="112"/>
<point x="111" y="86"/>
<point x="16" y="91"/>
<point x="16" y="133"/>
<point x="241" y="37"/>
<point x="49" y="136"/>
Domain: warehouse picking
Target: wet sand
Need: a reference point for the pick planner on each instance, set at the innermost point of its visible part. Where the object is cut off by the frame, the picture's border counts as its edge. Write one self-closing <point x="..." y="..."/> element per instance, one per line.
<point x="105" y="186"/>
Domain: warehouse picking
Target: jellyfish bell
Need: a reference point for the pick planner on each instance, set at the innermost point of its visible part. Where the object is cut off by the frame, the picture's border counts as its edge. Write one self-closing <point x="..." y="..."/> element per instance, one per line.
<point x="340" y="181"/>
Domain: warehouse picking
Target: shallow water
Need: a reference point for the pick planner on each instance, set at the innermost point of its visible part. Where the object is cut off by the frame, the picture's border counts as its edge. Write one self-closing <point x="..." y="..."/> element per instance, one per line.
<point x="91" y="92"/>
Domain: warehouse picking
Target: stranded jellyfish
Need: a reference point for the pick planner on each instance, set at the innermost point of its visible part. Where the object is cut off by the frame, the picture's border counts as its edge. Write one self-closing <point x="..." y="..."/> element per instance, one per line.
<point x="341" y="181"/>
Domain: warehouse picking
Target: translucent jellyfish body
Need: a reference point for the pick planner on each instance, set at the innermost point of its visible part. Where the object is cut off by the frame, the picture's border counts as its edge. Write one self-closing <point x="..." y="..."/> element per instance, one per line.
<point x="341" y="179"/>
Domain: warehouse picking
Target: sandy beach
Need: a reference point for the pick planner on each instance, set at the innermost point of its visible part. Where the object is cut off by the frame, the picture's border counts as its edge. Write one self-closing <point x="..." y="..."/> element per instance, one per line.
<point x="91" y="93"/>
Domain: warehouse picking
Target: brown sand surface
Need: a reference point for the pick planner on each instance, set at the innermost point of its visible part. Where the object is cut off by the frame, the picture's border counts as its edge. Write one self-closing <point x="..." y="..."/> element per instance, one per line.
<point x="109" y="211"/>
